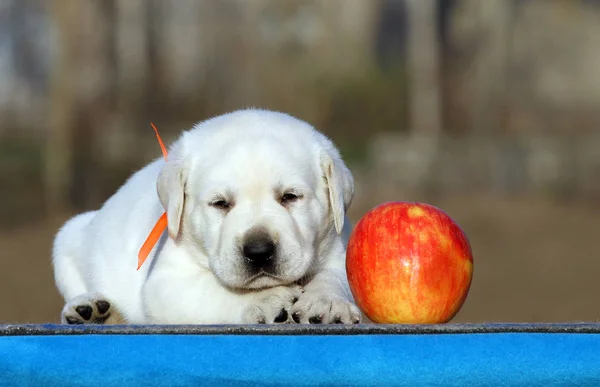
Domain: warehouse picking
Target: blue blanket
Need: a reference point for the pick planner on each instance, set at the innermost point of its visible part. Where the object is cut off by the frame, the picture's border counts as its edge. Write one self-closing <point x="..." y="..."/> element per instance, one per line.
<point x="477" y="355"/>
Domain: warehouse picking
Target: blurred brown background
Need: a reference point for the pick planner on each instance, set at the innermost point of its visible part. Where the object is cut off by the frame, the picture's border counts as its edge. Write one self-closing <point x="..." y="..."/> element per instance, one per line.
<point x="489" y="109"/>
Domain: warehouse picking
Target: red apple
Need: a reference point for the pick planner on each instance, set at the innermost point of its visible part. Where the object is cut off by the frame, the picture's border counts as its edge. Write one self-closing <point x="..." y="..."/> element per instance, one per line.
<point x="409" y="263"/>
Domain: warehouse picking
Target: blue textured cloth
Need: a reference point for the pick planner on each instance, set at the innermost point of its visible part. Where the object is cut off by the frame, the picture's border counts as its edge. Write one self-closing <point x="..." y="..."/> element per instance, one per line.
<point x="458" y="359"/>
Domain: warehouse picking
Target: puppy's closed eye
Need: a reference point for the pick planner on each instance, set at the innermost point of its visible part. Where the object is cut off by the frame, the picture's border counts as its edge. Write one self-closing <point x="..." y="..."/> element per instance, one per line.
<point x="289" y="198"/>
<point x="221" y="204"/>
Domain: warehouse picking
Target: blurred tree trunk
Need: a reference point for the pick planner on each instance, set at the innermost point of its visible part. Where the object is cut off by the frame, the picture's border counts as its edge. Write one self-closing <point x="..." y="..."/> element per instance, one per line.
<point x="59" y="148"/>
<point x="484" y="30"/>
<point x="423" y="69"/>
<point x="82" y="95"/>
<point x="423" y="51"/>
<point x="490" y="77"/>
<point x="132" y="55"/>
<point x="491" y="98"/>
<point x="180" y="61"/>
<point x="97" y="98"/>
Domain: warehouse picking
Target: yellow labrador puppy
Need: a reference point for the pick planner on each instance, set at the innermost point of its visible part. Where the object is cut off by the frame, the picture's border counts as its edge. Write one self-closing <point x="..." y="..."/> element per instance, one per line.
<point x="256" y="203"/>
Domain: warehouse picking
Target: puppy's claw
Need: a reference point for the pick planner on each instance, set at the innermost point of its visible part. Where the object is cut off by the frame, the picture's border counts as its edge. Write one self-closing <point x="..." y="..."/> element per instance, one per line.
<point x="315" y="307"/>
<point x="316" y="319"/>
<point x="73" y="321"/>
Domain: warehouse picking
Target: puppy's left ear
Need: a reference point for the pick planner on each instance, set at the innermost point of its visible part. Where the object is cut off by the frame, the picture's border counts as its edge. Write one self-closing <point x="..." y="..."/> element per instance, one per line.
<point x="340" y="185"/>
<point x="171" y="192"/>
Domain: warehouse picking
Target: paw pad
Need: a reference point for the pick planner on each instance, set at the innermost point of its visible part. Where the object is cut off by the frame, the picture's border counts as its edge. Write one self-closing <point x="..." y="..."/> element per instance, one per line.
<point x="102" y="306"/>
<point x="87" y="312"/>
<point x="281" y="317"/>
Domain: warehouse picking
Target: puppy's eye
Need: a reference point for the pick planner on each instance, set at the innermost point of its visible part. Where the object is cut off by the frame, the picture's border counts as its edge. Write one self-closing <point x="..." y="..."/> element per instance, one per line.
<point x="289" y="197"/>
<point x="221" y="204"/>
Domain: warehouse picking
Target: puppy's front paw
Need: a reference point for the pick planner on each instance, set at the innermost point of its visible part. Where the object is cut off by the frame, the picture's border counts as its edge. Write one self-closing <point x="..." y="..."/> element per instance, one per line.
<point x="314" y="307"/>
<point x="272" y="306"/>
<point x="90" y="308"/>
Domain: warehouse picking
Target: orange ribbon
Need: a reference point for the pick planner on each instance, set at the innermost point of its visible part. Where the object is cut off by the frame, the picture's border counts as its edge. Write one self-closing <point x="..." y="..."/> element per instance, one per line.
<point x="161" y="224"/>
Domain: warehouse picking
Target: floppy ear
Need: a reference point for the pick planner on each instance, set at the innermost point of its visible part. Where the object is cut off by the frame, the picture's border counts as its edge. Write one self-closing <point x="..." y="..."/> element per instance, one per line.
<point x="340" y="185"/>
<point x="171" y="192"/>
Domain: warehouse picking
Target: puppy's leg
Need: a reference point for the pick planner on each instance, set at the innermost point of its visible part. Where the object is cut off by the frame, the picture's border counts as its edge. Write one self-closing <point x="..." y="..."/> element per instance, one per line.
<point x="326" y="301"/>
<point x="68" y="254"/>
<point x="272" y="305"/>
<point x="198" y="298"/>
<point x="327" y="298"/>
<point x="90" y="308"/>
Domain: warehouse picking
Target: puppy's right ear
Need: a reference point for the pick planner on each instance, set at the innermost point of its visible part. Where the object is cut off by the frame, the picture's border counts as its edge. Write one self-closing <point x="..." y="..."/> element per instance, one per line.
<point x="171" y="192"/>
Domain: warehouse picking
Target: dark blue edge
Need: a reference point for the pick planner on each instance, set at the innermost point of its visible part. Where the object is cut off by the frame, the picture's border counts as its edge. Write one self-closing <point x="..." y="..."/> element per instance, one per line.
<point x="294" y="329"/>
<point x="366" y="355"/>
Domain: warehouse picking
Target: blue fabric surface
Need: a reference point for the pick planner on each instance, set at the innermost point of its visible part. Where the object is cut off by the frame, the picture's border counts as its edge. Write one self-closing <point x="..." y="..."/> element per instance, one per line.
<point x="483" y="359"/>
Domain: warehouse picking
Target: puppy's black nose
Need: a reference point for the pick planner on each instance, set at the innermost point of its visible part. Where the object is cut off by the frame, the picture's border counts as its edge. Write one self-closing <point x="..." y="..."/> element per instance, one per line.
<point x="259" y="251"/>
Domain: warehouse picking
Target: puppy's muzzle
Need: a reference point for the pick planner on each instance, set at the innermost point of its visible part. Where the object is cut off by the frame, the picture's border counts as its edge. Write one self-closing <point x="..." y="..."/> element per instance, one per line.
<point x="259" y="251"/>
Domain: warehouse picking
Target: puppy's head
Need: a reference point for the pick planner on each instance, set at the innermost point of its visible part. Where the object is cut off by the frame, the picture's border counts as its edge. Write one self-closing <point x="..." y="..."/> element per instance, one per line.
<point x="256" y="195"/>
